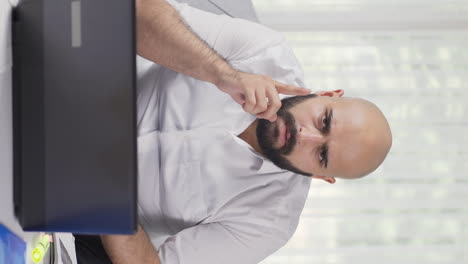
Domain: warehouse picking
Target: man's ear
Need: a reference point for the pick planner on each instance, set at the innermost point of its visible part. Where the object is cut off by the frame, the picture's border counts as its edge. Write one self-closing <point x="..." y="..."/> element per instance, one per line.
<point x="335" y="93"/>
<point x="325" y="178"/>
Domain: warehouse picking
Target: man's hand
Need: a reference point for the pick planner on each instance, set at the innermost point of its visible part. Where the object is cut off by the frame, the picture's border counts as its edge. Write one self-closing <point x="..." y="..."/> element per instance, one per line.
<point x="162" y="37"/>
<point x="258" y="94"/>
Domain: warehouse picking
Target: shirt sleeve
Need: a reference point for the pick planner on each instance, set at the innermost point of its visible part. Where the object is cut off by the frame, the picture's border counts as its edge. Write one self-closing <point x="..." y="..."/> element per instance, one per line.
<point x="234" y="39"/>
<point x="216" y="243"/>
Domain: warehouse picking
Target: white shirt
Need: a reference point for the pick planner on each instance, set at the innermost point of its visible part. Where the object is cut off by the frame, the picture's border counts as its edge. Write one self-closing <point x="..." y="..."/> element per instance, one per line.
<point x="205" y="196"/>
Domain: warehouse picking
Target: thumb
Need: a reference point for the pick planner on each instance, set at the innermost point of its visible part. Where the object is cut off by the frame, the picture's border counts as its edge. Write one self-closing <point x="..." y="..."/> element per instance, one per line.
<point x="238" y="98"/>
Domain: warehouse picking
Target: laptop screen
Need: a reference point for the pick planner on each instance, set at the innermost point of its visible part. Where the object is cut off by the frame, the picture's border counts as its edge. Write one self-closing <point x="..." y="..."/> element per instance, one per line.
<point x="75" y="116"/>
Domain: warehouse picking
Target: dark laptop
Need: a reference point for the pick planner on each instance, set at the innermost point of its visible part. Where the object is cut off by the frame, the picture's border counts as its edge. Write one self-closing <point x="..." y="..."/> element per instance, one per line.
<point x="74" y="101"/>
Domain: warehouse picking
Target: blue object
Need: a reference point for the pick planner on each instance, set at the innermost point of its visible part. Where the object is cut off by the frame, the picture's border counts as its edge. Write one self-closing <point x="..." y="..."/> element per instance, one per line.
<point x="12" y="248"/>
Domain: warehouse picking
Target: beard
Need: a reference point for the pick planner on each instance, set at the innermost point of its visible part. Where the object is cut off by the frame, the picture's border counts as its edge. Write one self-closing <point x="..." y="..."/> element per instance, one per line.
<point x="268" y="134"/>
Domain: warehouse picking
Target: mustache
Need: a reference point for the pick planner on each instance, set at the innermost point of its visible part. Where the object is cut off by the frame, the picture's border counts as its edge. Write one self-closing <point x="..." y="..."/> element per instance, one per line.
<point x="290" y="124"/>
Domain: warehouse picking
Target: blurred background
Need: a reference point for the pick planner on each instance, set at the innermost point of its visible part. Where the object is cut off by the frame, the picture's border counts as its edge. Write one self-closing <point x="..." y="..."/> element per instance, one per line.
<point x="410" y="57"/>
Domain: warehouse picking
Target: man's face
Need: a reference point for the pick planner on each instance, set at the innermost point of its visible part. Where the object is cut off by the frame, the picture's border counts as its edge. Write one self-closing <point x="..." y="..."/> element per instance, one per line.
<point x="326" y="135"/>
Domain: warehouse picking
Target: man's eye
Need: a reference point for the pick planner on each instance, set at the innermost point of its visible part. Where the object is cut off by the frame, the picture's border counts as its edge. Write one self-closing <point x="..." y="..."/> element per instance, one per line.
<point x="326" y="123"/>
<point x="323" y="155"/>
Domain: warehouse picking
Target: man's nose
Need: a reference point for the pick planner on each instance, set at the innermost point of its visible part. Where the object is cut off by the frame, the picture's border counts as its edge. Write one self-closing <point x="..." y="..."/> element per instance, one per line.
<point x="310" y="135"/>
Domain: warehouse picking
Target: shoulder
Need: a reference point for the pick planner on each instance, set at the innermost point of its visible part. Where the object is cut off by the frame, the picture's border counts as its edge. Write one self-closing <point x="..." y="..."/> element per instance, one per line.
<point x="274" y="207"/>
<point x="258" y="38"/>
<point x="276" y="60"/>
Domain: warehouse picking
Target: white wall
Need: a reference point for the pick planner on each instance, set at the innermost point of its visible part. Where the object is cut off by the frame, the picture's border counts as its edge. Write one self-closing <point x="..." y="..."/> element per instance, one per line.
<point x="410" y="57"/>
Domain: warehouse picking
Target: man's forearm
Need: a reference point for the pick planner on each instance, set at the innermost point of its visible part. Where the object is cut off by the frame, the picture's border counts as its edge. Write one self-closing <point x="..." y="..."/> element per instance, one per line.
<point x="130" y="249"/>
<point x="162" y="36"/>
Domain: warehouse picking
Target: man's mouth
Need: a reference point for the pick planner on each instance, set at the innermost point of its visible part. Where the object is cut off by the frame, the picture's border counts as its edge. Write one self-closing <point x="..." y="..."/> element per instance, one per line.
<point x="284" y="136"/>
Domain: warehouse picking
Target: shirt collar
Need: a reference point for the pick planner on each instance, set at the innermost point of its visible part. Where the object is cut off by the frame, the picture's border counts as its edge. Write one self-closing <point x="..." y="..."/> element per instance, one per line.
<point x="265" y="165"/>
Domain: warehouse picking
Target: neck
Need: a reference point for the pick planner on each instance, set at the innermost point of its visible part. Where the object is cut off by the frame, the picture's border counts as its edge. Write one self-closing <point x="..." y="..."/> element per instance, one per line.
<point x="250" y="136"/>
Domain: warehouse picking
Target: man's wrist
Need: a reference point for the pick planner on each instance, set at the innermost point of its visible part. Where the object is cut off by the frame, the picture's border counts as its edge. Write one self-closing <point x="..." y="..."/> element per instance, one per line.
<point x="225" y="76"/>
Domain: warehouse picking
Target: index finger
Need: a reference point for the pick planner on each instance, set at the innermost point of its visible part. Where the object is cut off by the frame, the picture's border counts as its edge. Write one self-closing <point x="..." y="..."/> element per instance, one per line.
<point x="290" y="89"/>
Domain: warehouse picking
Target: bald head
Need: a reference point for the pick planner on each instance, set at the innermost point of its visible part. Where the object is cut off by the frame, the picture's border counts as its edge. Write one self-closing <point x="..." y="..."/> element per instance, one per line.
<point x="366" y="138"/>
<point x="326" y="136"/>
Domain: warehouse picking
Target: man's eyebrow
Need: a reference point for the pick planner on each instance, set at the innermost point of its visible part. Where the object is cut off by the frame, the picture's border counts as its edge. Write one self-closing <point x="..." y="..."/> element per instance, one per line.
<point x="329" y="117"/>
<point x="326" y="156"/>
<point x="328" y="130"/>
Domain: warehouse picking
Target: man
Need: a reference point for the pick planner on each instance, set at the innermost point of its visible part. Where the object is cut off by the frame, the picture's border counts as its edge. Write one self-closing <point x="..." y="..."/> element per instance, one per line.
<point x="218" y="185"/>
